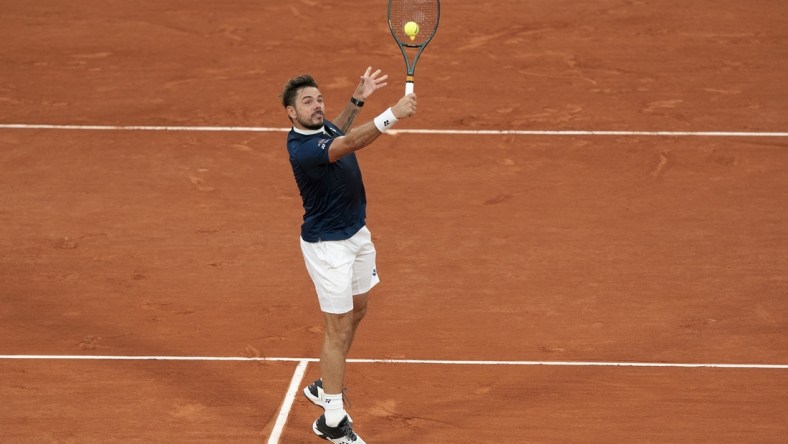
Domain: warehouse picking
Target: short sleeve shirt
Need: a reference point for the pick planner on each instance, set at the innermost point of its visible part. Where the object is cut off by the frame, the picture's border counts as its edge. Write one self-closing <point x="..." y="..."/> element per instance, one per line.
<point x="332" y="193"/>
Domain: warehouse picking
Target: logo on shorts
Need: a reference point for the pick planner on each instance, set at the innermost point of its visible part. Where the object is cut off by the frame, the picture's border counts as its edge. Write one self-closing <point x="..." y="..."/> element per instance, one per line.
<point x="374" y="272"/>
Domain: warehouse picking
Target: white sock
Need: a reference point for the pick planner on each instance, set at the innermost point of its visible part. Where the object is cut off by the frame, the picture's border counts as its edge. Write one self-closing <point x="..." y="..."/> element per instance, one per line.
<point x="335" y="409"/>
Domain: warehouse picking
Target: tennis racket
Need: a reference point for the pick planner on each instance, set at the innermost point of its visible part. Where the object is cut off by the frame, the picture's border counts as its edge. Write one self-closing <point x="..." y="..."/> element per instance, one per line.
<point x="403" y="14"/>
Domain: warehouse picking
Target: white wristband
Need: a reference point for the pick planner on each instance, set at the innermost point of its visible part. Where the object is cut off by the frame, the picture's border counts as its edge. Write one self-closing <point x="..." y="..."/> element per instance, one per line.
<point x="385" y="121"/>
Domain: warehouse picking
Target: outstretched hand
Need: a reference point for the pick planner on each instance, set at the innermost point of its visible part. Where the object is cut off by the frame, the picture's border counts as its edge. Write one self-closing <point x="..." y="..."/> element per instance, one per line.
<point x="369" y="83"/>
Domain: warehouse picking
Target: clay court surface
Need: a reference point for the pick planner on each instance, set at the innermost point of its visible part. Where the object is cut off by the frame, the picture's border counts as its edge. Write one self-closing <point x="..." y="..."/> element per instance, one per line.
<point x="536" y="287"/>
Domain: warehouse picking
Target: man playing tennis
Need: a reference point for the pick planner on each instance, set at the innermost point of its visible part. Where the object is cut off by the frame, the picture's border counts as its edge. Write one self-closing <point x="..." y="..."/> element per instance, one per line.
<point x="336" y="245"/>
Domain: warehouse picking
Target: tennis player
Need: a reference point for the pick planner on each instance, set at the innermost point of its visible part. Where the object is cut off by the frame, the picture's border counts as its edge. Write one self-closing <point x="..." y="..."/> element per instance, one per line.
<point x="335" y="242"/>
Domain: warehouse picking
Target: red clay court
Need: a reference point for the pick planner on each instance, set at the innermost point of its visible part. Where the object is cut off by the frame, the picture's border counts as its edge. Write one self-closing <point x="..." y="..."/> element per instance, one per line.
<point x="582" y="236"/>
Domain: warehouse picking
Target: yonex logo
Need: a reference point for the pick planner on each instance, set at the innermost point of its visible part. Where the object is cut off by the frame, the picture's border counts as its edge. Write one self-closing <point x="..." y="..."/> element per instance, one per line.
<point x="374" y="272"/>
<point x="386" y="123"/>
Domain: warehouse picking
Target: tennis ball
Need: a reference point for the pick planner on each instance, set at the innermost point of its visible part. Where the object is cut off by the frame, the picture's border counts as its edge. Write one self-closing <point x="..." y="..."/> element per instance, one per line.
<point x="411" y="29"/>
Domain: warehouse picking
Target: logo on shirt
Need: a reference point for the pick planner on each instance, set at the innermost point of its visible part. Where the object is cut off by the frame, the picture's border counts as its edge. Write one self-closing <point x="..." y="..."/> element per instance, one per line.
<point x="322" y="143"/>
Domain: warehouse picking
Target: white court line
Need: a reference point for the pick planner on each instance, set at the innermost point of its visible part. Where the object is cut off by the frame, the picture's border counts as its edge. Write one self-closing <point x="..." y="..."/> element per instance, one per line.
<point x="287" y="404"/>
<point x="405" y="131"/>
<point x="403" y="361"/>
<point x="151" y="358"/>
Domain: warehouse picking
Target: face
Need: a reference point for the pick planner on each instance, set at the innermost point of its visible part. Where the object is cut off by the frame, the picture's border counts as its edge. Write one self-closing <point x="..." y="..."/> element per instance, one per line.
<point x="308" y="110"/>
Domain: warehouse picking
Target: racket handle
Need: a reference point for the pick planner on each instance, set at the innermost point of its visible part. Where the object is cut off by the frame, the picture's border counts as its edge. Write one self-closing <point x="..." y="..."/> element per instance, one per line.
<point x="408" y="87"/>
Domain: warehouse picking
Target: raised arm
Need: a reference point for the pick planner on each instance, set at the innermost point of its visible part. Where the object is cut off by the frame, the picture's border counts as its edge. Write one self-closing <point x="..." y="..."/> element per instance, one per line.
<point x="369" y="83"/>
<point x="363" y="135"/>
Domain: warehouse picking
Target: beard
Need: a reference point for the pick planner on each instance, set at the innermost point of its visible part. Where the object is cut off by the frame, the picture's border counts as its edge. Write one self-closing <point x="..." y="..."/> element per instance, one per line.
<point x="310" y="124"/>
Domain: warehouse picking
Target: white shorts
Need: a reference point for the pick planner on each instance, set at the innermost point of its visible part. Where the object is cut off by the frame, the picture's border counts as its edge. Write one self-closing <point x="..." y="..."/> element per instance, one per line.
<point x="341" y="270"/>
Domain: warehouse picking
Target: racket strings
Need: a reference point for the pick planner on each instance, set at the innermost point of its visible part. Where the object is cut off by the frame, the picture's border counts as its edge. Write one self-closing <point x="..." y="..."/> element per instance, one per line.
<point x="424" y="13"/>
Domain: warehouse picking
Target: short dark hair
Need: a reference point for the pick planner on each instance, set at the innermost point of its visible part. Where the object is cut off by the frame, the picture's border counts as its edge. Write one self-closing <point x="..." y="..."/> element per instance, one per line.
<point x="293" y="85"/>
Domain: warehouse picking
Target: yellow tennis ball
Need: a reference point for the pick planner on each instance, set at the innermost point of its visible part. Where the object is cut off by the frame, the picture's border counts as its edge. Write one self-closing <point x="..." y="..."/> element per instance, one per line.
<point x="411" y="29"/>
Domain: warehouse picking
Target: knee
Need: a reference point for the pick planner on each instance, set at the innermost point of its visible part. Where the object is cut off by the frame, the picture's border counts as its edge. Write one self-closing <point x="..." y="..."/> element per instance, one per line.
<point x="340" y="341"/>
<point x="340" y="336"/>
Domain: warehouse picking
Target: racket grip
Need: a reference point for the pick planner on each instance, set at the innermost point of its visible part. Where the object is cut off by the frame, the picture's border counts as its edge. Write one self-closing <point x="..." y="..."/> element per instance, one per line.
<point x="408" y="87"/>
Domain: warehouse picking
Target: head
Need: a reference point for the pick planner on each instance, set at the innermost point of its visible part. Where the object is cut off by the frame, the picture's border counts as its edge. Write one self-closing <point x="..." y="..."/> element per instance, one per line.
<point x="303" y="102"/>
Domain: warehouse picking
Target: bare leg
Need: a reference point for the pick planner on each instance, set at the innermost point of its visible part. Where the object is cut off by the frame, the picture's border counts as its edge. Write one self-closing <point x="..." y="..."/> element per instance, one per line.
<point x="340" y="331"/>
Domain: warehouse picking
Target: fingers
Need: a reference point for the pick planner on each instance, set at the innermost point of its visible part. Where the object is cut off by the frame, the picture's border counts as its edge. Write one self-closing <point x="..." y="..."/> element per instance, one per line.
<point x="373" y="75"/>
<point x="408" y="98"/>
<point x="370" y="82"/>
<point x="406" y="107"/>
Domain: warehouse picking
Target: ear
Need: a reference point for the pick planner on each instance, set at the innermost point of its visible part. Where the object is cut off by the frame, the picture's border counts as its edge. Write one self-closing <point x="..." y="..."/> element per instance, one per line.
<point x="291" y="112"/>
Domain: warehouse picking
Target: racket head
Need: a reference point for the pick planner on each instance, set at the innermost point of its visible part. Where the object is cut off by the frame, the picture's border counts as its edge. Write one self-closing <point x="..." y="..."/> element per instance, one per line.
<point x="426" y="14"/>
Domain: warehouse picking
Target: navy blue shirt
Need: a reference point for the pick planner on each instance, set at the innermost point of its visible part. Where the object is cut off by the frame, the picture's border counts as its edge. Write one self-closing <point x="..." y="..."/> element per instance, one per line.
<point x="335" y="203"/>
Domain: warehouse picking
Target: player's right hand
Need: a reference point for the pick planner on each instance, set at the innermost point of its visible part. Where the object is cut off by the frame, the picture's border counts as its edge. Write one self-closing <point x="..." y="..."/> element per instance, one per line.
<point x="406" y="107"/>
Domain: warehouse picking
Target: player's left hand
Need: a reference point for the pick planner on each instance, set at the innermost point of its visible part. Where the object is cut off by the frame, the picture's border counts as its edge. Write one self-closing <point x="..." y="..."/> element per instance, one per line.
<point x="369" y="83"/>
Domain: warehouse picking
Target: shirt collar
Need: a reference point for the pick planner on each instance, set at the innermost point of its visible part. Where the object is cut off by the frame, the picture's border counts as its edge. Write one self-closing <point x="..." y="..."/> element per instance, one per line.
<point x="307" y="132"/>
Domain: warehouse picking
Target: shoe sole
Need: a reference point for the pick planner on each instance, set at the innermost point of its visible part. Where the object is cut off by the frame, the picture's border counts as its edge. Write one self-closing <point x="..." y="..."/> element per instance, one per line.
<point x="322" y="436"/>
<point x="317" y="432"/>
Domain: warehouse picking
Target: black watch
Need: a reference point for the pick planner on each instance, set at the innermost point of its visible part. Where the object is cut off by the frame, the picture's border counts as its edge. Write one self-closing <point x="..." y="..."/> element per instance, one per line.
<point x="358" y="103"/>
